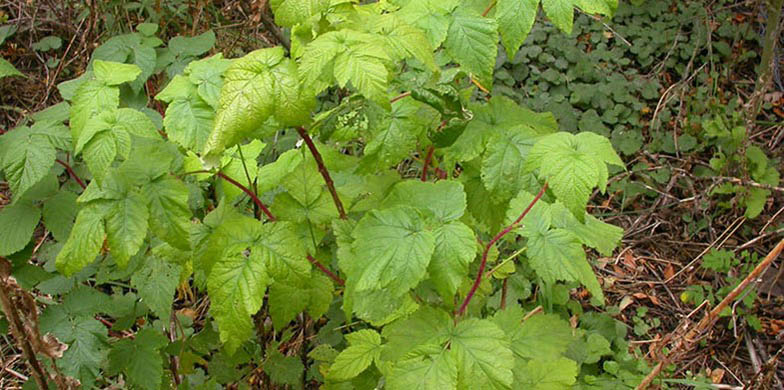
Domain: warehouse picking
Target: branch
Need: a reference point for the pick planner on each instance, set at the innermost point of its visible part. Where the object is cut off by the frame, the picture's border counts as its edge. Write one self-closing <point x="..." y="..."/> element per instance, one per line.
<point x="490" y="245"/>
<point x="326" y="271"/>
<point x="689" y="338"/>
<point x="323" y="170"/>
<point x="71" y="173"/>
<point x="399" y="97"/>
<point x="428" y="157"/>
<point x="244" y="189"/>
<point x="489" y="7"/>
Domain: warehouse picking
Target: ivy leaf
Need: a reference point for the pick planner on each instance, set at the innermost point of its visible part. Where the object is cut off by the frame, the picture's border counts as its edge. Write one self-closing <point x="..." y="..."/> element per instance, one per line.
<point x="126" y="226"/>
<point x="398" y="250"/>
<point x="139" y="359"/>
<point x="291" y="12"/>
<point x="439" y="372"/>
<point x="115" y="73"/>
<point x="560" y="12"/>
<point x="156" y="283"/>
<point x="483" y="348"/>
<point x="455" y="249"/>
<point x="444" y="200"/>
<point x="515" y="20"/>
<point x="27" y="157"/>
<point x="170" y="215"/>
<point x="540" y="374"/>
<point x="364" y="347"/>
<point x="473" y="42"/>
<point x="85" y="240"/>
<point x="17" y="224"/>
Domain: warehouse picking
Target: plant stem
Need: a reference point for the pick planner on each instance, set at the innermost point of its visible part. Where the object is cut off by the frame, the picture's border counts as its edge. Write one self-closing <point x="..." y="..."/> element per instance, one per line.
<point x="504" y="289"/>
<point x="71" y="173"/>
<point x="17" y="328"/>
<point x="492" y="242"/>
<point x="489" y="7"/>
<point x="250" y="193"/>
<point x="326" y="271"/>
<point x="766" y="64"/>
<point x="428" y="157"/>
<point x="323" y="170"/>
<point x="399" y="97"/>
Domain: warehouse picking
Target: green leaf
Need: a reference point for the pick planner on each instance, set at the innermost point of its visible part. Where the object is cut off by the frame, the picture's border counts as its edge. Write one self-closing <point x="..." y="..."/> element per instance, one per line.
<point x="483" y="349"/>
<point x="170" y="215"/>
<point x="90" y="98"/>
<point x="397" y="249"/>
<point x="283" y="252"/>
<point x="455" y="249"/>
<point x="560" y="12"/>
<point x="364" y="347"/>
<point x="502" y="167"/>
<point x="100" y="153"/>
<point x="17" y="224"/>
<point x="755" y="200"/>
<point x="540" y="374"/>
<point x="425" y="328"/>
<point x="404" y="40"/>
<point x="431" y="16"/>
<point x="554" y="255"/>
<point x="27" y="158"/>
<point x="84" y="242"/>
<point x="515" y="20"/>
<point x="115" y="73"/>
<point x="156" y="283"/>
<point x="545" y="336"/>
<point x="538" y="218"/>
<point x="273" y="173"/>
<point x="444" y="200"/>
<point x="291" y="12"/>
<point x="193" y="46"/>
<point x="285" y="302"/>
<point x="473" y="42"/>
<point x="597" y="234"/>
<point x="59" y="213"/>
<point x="394" y="134"/>
<point x="139" y="359"/>
<point x="8" y="70"/>
<point x="126" y="227"/>
<point x="284" y="370"/>
<point x="207" y="75"/>
<point x="189" y="121"/>
<point x="439" y="372"/>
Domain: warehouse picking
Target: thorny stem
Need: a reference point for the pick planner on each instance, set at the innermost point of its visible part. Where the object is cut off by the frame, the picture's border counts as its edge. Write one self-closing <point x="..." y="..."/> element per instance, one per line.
<point x="323" y="170"/>
<point x="18" y="329"/>
<point x="428" y="157"/>
<point x="326" y="271"/>
<point x="71" y="173"/>
<point x="492" y="242"/>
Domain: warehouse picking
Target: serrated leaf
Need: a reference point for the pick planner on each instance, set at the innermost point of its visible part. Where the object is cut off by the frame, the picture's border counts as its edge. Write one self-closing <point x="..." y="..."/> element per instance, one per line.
<point x="8" y="70"/>
<point x="393" y="134"/>
<point x="59" y="213"/>
<point x="545" y="336"/>
<point x="123" y="120"/>
<point x="431" y="16"/>
<point x="455" y="249"/>
<point x="90" y="98"/>
<point x="86" y="339"/>
<point x="541" y="374"/>
<point x="426" y="327"/>
<point x="207" y="75"/>
<point x="285" y="302"/>
<point x="597" y="234"/>
<point x="272" y="174"/>
<point x="284" y="370"/>
<point x="554" y="255"/>
<point x="85" y="240"/>
<point x="156" y="283"/>
<point x="170" y="215"/>
<point x="473" y="42"/>
<point x="444" y="200"/>
<point x="291" y="12"/>
<point x="439" y="372"/>
<point x="189" y="122"/>
<point x="398" y="250"/>
<point x="49" y="124"/>
<point x="115" y="73"/>
<point x="100" y="153"/>
<point x="404" y="40"/>
<point x="126" y="227"/>
<point x="17" y="224"/>
<point x="538" y="218"/>
<point x="502" y="167"/>
<point x="515" y="20"/>
<point x="364" y="347"/>
<point x="139" y="359"/>
<point x="483" y="348"/>
<point x="26" y="159"/>
<point x="283" y="252"/>
<point x="560" y="12"/>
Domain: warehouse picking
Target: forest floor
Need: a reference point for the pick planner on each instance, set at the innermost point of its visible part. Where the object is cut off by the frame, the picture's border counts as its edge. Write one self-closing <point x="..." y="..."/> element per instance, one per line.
<point x="676" y="219"/>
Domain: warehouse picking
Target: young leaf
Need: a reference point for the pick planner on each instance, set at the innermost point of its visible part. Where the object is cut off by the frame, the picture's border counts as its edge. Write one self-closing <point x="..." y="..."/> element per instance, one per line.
<point x="115" y="73"/>
<point x="472" y="41"/>
<point x="139" y="359"/>
<point x="17" y="223"/>
<point x="515" y="20"/>
<point x="397" y="247"/>
<point x="364" y="348"/>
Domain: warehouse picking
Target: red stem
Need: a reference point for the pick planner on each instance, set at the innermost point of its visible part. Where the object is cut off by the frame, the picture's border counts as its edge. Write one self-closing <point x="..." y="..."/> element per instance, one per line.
<point x="490" y="245"/>
<point x="428" y="157"/>
<point x="250" y="193"/>
<point x="326" y="271"/>
<point x="323" y="170"/>
<point x="399" y="97"/>
<point x="71" y="173"/>
<point x="489" y="7"/>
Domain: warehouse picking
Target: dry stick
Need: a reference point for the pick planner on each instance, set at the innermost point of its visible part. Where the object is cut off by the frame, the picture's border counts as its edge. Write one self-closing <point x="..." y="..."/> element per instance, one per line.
<point x="17" y="329"/>
<point x="428" y="157"/>
<point x="71" y="172"/>
<point x="490" y="245"/>
<point x="323" y="170"/>
<point x="690" y="337"/>
<point x="326" y="271"/>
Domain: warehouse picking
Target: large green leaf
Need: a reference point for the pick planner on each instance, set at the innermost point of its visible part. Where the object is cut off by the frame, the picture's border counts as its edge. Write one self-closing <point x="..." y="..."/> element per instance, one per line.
<point x="90" y="98"/>
<point x="59" y="213"/>
<point x="85" y="240"/>
<point x="554" y="255"/>
<point x="502" y="167"/>
<point x="560" y="12"/>
<point x="17" y="223"/>
<point x="438" y="372"/>
<point x="156" y="282"/>
<point x="291" y="12"/>
<point x="139" y="359"/>
<point x="170" y="215"/>
<point x="27" y="156"/>
<point x="392" y="135"/>
<point x="472" y="41"/>
<point x="421" y="330"/>
<point x="364" y="348"/>
<point x="515" y="20"/>
<point x="126" y="226"/>
<point x="483" y="349"/>
<point x="443" y="200"/>
<point x="455" y="249"/>
<point x="540" y="374"/>
<point x="597" y="234"/>
<point x="431" y="16"/>
<point x="396" y="250"/>
<point x="545" y="336"/>
<point x="115" y="73"/>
